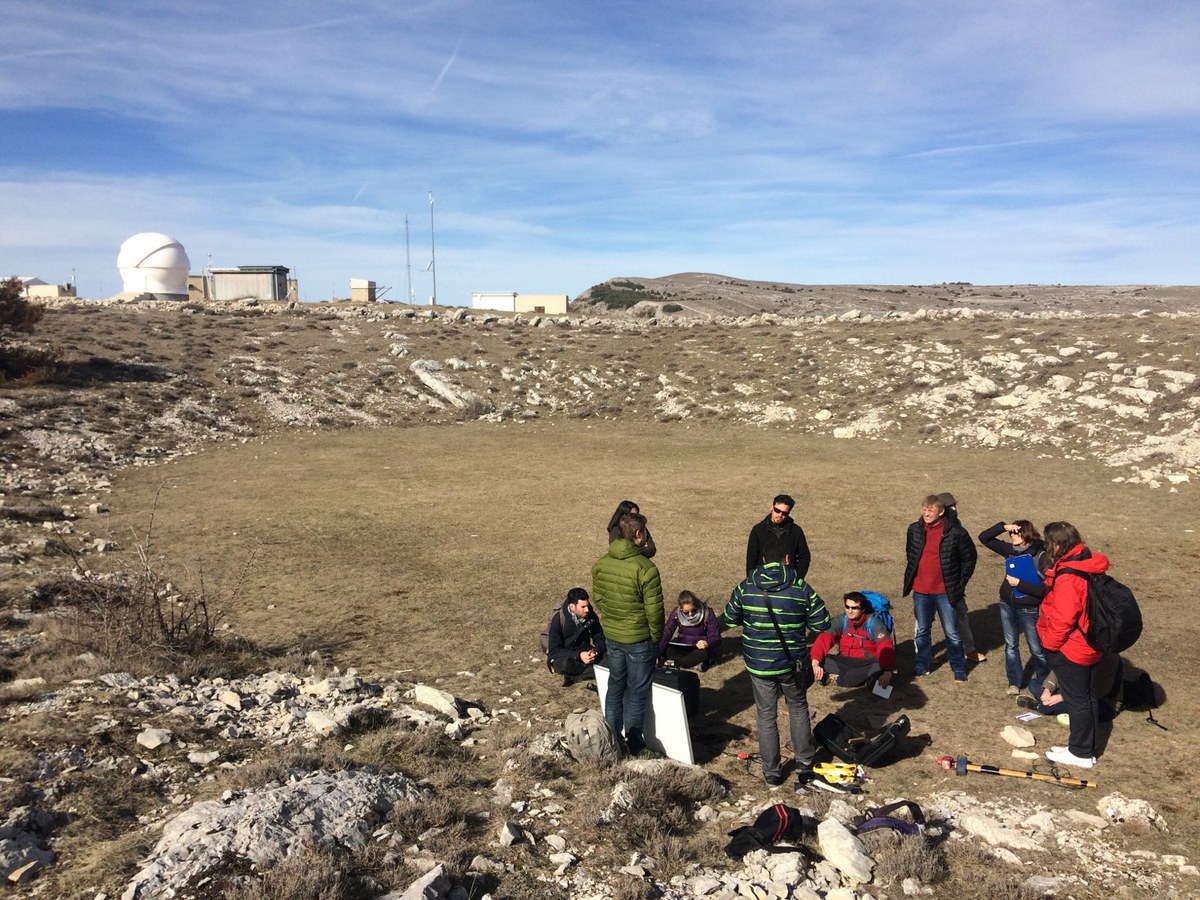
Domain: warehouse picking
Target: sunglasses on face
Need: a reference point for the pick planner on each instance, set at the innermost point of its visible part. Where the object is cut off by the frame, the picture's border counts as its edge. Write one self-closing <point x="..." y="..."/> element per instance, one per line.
<point x="853" y="606"/>
<point x="778" y="511"/>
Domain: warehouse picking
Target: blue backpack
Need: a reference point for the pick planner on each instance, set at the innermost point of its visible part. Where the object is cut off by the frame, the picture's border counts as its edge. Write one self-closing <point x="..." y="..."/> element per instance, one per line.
<point x="881" y="609"/>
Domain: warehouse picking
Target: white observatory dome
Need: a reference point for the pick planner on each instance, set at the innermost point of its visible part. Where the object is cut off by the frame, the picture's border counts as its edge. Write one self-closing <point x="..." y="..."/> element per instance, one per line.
<point x="154" y="263"/>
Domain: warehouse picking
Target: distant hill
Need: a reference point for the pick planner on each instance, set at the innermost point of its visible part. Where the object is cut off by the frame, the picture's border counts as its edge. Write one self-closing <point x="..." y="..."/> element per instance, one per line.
<point x="707" y="295"/>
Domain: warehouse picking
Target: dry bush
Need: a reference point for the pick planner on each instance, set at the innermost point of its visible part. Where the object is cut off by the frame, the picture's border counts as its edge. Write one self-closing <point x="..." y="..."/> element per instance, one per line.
<point x="309" y="874"/>
<point x="140" y="619"/>
<point x="660" y="821"/>
<point x="900" y="856"/>
<point x="973" y="872"/>
<point x="275" y="764"/>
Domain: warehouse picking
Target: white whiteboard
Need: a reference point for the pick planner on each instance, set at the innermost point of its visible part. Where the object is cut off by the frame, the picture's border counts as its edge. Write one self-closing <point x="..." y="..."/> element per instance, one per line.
<point x="665" y="727"/>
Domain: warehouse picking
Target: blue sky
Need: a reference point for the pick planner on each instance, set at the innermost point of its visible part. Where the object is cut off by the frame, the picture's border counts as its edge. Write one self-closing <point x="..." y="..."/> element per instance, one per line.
<point x="567" y="143"/>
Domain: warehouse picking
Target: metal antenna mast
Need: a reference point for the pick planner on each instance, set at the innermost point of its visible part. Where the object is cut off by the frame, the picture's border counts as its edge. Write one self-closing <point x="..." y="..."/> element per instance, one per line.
<point x="408" y="259"/>
<point x="432" y="249"/>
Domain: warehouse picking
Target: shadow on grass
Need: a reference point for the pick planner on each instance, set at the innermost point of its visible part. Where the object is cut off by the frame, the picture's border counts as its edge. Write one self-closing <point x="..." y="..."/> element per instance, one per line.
<point x="100" y="369"/>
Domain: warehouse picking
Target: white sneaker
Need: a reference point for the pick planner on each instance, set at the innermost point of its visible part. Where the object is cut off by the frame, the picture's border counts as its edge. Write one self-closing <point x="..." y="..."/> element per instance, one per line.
<point x="1067" y="758"/>
<point x="1059" y="749"/>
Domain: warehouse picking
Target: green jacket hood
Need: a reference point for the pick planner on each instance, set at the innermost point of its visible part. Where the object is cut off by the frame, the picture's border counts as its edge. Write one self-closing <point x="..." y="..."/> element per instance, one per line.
<point x="623" y="548"/>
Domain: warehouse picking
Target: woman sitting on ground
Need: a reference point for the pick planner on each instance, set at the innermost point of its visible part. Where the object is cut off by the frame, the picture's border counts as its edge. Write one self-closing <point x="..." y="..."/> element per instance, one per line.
<point x="691" y="635"/>
<point x="614" y="527"/>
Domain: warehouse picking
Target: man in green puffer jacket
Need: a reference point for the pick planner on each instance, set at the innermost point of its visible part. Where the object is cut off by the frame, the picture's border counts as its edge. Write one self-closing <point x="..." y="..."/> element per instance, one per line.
<point x="627" y="592"/>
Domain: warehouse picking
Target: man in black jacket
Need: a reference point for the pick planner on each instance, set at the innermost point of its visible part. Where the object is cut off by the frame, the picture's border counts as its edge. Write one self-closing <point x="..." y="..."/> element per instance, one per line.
<point x="777" y="537"/>
<point x="576" y="640"/>
<point x="940" y="561"/>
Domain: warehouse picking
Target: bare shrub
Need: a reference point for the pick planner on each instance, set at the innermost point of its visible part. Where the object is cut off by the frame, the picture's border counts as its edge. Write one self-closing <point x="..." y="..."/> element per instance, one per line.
<point x="976" y="873"/>
<point x="903" y="856"/>
<point x="660" y="819"/>
<point x="139" y="617"/>
<point x="308" y="874"/>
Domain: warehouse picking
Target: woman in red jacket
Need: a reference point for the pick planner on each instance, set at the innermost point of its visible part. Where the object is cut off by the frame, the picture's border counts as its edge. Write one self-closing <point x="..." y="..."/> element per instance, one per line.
<point x="1061" y="624"/>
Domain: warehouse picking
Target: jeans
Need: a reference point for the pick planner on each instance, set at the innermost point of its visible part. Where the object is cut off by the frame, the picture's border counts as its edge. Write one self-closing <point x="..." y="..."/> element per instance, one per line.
<point x="1017" y="620"/>
<point x="630" y="671"/>
<point x="766" y="707"/>
<point x="923" y="607"/>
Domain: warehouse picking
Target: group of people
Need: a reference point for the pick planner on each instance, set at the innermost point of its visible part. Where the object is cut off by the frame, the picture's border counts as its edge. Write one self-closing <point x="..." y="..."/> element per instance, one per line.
<point x="1048" y="606"/>
<point x="777" y="610"/>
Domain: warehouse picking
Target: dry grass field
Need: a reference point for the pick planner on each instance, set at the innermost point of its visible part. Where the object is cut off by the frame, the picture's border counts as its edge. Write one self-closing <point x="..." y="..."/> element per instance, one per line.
<point x="439" y="551"/>
<point x="433" y="545"/>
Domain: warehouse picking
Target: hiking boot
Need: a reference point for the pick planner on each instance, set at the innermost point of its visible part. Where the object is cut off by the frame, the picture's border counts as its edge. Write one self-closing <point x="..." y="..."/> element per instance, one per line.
<point x="1067" y="758"/>
<point x="591" y="686"/>
<point x="647" y="753"/>
<point x="1026" y="702"/>
<point x="1013" y="690"/>
<point x="809" y="781"/>
<point x="773" y="781"/>
<point x="567" y="681"/>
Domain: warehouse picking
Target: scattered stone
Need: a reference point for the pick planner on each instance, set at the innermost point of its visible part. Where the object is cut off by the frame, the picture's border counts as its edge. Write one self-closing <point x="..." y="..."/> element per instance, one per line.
<point x="152" y="738"/>
<point x="1017" y="736"/>
<point x="1138" y="814"/>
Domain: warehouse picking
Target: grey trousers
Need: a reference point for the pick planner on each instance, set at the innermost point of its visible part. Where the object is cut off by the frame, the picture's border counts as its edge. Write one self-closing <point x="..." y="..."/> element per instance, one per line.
<point x="767" y="691"/>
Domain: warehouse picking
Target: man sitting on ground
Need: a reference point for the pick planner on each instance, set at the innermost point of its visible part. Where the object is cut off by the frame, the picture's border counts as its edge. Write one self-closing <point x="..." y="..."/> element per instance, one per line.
<point x="576" y="640"/>
<point x="866" y="648"/>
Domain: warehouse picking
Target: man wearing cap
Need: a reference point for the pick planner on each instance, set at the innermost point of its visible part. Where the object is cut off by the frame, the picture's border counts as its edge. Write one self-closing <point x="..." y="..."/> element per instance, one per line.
<point x="940" y="561"/>
<point x="960" y="608"/>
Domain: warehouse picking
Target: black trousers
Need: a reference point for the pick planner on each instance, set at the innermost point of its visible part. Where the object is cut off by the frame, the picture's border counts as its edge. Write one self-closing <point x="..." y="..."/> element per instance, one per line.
<point x="1077" y="684"/>
<point x="689" y="659"/>
<point x="575" y="667"/>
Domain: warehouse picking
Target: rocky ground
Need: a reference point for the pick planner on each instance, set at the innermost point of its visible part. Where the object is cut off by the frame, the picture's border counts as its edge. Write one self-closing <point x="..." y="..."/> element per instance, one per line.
<point x="952" y="363"/>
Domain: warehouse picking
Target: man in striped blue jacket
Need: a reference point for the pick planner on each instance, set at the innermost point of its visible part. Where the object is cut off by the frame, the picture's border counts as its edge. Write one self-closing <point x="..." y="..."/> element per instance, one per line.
<point x="776" y="608"/>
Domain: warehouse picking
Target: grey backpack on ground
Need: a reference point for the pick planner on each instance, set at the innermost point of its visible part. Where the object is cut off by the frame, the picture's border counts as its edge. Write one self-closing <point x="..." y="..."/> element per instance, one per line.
<point x="588" y="736"/>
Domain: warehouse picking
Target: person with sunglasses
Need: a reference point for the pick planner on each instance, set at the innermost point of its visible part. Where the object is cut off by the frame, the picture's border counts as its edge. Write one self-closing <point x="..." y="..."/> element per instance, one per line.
<point x="778" y="537"/>
<point x="866" y="649"/>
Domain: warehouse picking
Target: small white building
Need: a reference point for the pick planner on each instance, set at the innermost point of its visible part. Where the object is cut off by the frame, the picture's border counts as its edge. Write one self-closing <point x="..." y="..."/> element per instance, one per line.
<point x="503" y="301"/>
<point x="35" y="289"/>
<point x="510" y="301"/>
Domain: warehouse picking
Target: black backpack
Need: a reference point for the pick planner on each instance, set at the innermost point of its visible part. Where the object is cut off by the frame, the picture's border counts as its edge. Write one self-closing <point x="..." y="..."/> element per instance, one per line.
<point x="1114" y="619"/>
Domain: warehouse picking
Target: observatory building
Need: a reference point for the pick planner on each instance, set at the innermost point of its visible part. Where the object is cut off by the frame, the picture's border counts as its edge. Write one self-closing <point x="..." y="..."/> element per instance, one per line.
<point x="154" y="263"/>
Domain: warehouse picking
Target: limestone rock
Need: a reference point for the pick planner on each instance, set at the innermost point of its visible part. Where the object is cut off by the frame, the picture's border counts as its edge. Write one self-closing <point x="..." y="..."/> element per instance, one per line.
<point x="997" y="834"/>
<point x="844" y="851"/>
<point x="152" y="738"/>
<point x="1017" y="736"/>
<point x="262" y="826"/>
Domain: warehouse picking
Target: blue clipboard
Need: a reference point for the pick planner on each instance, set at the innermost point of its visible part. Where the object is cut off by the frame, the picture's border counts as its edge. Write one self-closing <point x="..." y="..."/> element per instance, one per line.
<point x="1023" y="568"/>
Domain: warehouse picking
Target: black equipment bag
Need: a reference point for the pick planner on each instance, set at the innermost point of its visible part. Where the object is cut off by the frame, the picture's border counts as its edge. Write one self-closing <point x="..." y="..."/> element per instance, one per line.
<point x="851" y="745"/>
<point x="684" y="681"/>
